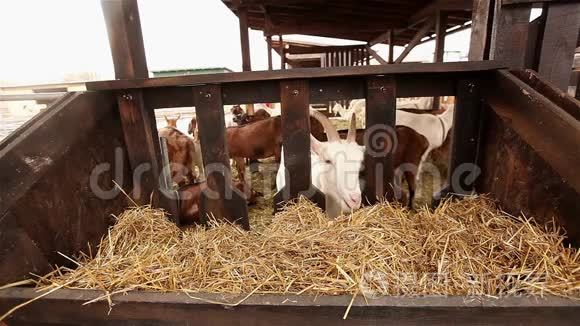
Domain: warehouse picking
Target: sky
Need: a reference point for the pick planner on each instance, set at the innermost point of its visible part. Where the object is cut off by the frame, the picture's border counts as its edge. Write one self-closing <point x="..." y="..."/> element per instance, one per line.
<point x="46" y="41"/>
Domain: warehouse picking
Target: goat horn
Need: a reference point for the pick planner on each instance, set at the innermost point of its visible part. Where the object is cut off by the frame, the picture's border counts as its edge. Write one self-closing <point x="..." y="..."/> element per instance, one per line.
<point x="351" y="136"/>
<point x="330" y="130"/>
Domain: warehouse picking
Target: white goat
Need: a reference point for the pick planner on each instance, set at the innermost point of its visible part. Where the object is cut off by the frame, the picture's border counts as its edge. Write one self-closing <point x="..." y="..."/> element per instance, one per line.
<point x="335" y="168"/>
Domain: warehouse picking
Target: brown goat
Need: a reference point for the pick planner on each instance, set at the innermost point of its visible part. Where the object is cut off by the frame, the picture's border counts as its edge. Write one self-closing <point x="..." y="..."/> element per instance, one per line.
<point x="172" y="122"/>
<point x="181" y="152"/>
<point x="190" y="197"/>
<point x="245" y="118"/>
<point x="261" y="139"/>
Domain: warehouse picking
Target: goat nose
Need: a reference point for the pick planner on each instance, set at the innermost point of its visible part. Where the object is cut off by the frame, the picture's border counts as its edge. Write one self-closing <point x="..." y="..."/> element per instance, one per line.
<point x="356" y="198"/>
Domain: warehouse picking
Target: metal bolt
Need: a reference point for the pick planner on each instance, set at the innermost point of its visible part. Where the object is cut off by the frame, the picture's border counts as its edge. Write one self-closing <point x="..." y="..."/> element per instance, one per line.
<point x="383" y="89"/>
<point x="127" y="97"/>
<point x="321" y="90"/>
<point x="295" y="92"/>
<point x="207" y="95"/>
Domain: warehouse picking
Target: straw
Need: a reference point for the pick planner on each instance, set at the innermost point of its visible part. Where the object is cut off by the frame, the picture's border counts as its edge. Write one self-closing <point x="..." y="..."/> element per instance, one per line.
<point x="463" y="248"/>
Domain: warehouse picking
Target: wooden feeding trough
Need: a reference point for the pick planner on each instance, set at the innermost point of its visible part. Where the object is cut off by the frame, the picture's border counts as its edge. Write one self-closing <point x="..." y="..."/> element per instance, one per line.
<point x="521" y="132"/>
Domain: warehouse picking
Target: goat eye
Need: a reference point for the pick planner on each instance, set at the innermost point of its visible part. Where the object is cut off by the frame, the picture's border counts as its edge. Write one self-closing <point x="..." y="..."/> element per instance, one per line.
<point x="328" y="162"/>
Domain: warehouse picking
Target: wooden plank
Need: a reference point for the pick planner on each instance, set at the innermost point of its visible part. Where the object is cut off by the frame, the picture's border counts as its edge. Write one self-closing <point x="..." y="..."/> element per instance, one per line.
<point x="295" y="104"/>
<point x="19" y="254"/>
<point x="221" y="199"/>
<point x="381" y="93"/>
<point x="33" y="149"/>
<point x="375" y="55"/>
<point x="463" y="169"/>
<point x="521" y="181"/>
<point x="65" y="164"/>
<point x="321" y="90"/>
<point x="548" y="129"/>
<point x="391" y="46"/>
<point x="244" y="38"/>
<point x="125" y="38"/>
<point x="151" y="308"/>
<point x="481" y="28"/>
<point x="282" y="52"/>
<point x="516" y="2"/>
<point x="299" y="73"/>
<point x="440" y="30"/>
<point x="141" y="140"/>
<point x="544" y="87"/>
<point x="427" y="26"/>
<point x="559" y="43"/>
<point x="269" y="43"/>
<point x="510" y="35"/>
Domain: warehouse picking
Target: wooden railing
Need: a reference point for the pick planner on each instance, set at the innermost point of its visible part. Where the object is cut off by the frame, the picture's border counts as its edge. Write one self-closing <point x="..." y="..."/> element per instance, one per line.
<point x="296" y="89"/>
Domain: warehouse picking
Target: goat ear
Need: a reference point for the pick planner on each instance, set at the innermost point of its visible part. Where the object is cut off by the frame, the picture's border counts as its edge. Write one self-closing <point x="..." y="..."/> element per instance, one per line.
<point x="166" y="120"/>
<point x="351" y="136"/>
<point x="178" y="116"/>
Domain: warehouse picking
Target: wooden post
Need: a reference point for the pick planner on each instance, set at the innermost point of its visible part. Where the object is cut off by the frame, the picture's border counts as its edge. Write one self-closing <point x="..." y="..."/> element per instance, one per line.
<point x="463" y="169"/>
<point x="244" y="38"/>
<point x="391" y="45"/>
<point x="381" y="93"/>
<point x="559" y="43"/>
<point x="282" y="53"/>
<point x="440" y="27"/>
<point x="481" y="28"/>
<point x="269" y="41"/>
<point x="220" y="199"/>
<point x="295" y="100"/>
<point x="138" y="120"/>
<point x="510" y="35"/>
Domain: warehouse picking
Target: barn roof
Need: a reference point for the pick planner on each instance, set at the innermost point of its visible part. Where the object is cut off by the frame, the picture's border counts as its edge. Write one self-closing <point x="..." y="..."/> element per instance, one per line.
<point x="361" y="20"/>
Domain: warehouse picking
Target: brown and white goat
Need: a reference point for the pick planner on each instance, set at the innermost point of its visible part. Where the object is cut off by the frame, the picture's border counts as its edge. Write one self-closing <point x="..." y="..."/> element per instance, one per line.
<point x="406" y="157"/>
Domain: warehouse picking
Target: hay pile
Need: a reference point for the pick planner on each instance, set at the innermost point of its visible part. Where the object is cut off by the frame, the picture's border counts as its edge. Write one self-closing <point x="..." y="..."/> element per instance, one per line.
<point x="467" y="247"/>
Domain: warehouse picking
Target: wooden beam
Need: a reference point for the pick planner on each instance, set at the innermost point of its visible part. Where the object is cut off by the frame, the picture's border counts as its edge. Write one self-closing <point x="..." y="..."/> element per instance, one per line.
<point x="481" y="29"/>
<point x="375" y="55"/>
<point x="244" y="38"/>
<point x="510" y="35"/>
<point x="139" y="128"/>
<point x="295" y="102"/>
<point x="391" y="46"/>
<point x="143" y="307"/>
<point x="463" y="168"/>
<point x="125" y="38"/>
<point x="559" y="43"/>
<point x="427" y="26"/>
<point x="269" y="42"/>
<point x="304" y="73"/>
<point x="446" y="5"/>
<point x="440" y="29"/>
<point x="381" y="93"/>
<point x="220" y="199"/>
<point x="282" y="52"/>
<point x="548" y="129"/>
